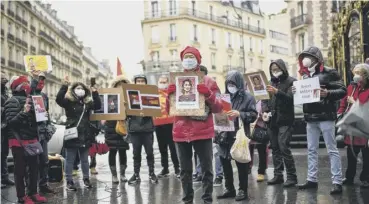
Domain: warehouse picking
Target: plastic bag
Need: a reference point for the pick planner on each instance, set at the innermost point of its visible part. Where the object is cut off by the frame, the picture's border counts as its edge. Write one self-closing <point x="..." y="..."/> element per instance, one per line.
<point x="240" y="149"/>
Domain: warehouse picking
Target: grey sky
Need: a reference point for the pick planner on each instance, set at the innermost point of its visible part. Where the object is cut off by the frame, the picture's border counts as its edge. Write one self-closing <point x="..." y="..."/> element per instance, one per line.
<point x="113" y="28"/>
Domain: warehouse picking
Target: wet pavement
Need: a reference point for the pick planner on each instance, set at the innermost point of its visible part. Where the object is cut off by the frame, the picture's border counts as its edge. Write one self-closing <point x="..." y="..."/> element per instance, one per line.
<point x="168" y="190"/>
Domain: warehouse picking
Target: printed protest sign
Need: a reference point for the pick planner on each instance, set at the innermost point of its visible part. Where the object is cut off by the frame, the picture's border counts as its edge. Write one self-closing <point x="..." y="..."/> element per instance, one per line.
<point x="38" y="62"/>
<point x="221" y="120"/>
<point x="112" y="105"/>
<point x="40" y="109"/>
<point x="307" y="91"/>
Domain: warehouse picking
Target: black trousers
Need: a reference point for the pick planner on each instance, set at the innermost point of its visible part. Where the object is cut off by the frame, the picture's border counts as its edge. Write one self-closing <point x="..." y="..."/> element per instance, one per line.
<point x="165" y="140"/>
<point x="204" y="149"/>
<point x="352" y="153"/>
<point x="122" y="157"/>
<point x="280" y="138"/>
<point x="243" y="176"/>
<point x="4" y="157"/>
<point x="25" y="165"/>
<point x="93" y="162"/>
<point x="262" y="151"/>
<point x="146" y="140"/>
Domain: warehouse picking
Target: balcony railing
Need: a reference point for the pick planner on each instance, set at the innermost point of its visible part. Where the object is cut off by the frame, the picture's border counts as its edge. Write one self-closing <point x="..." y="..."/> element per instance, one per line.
<point x="227" y="68"/>
<point x="24" y="44"/>
<point x="11" y="63"/>
<point x="299" y="20"/>
<point x="10" y="37"/>
<point x="162" y="66"/>
<point x="2" y="59"/>
<point x="33" y="28"/>
<point x="77" y="72"/>
<point x="33" y="49"/>
<point x="10" y="13"/>
<point x="24" y="22"/>
<point x="43" y="34"/>
<point x="76" y="58"/>
<point x="18" y="18"/>
<point x="205" y="16"/>
<point x="19" y="66"/>
<point x="18" y="40"/>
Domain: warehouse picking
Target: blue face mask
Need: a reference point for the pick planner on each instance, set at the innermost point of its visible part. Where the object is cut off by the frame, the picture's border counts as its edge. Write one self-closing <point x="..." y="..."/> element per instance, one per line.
<point x="232" y="89"/>
<point x="189" y="63"/>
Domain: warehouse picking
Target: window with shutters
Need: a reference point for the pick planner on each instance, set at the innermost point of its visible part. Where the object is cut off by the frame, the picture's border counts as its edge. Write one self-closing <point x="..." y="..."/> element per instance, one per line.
<point x="213" y="36"/>
<point x="211" y="15"/>
<point x="154" y="8"/>
<point x="172" y="7"/>
<point x="193" y="5"/>
<point x="173" y="36"/>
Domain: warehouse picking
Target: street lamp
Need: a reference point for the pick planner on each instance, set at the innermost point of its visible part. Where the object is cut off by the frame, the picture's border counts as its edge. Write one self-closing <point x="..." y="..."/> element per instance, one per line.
<point x="240" y="20"/>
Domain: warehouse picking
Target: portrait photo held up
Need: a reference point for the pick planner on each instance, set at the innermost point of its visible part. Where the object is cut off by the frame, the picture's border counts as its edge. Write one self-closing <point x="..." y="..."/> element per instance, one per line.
<point x="257" y="84"/>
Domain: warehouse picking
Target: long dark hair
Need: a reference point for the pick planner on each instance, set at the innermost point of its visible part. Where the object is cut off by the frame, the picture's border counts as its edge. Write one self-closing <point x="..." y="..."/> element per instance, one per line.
<point x="183" y="82"/>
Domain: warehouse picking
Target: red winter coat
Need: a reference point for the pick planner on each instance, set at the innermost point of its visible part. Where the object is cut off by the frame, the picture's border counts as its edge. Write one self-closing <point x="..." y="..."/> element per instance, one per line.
<point x="363" y="96"/>
<point x="187" y="130"/>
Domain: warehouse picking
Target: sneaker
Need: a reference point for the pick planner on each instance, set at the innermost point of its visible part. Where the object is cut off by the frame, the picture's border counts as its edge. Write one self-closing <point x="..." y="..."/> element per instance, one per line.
<point x="46" y="190"/>
<point x="337" y="189"/>
<point x="38" y="199"/>
<point x="218" y="181"/>
<point x="75" y="172"/>
<point x="198" y="179"/>
<point x="163" y="173"/>
<point x="93" y="171"/>
<point x="115" y="179"/>
<point x="87" y="183"/>
<point x="25" y="200"/>
<point x="260" y="178"/>
<point x="134" y="179"/>
<point x="153" y="178"/>
<point x="71" y="186"/>
<point x="123" y="178"/>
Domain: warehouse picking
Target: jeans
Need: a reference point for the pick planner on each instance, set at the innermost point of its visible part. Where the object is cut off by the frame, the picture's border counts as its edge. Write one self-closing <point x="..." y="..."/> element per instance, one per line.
<point x="352" y="153"/>
<point x="204" y="149"/>
<point x="262" y="151"/>
<point x="313" y="130"/>
<point x="71" y="154"/>
<point x="138" y="140"/>
<point x="25" y="165"/>
<point x="44" y="164"/>
<point x="242" y="169"/>
<point x="4" y="157"/>
<point x="280" y="138"/>
<point x="165" y="140"/>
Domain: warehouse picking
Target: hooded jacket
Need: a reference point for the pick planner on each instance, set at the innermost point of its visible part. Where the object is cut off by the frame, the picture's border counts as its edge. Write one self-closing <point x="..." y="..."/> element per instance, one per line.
<point x="112" y="138"/>
<point x="281" y="104"/>
<point x="138" y="124"/>
<point x="4" y="98"/>
<point x="325" y="109"/>
<point x="73" y="106"/>
<point x="243" y="102"/>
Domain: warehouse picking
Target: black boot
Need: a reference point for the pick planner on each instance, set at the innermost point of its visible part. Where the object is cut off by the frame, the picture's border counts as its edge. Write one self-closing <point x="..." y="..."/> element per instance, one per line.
<point x="276" y="180"/>
<point x="177" y="172"/>
<point x="153" y="178"/>
<point x="227" y="194"/>
<point x="134" y="179"/>
<point x="337" y="189"/>
<point x="290" y="183"/>
<point x="123" y="173"/>
<point x="163" y="173"/>
<point x="308" y="185"/>
<point x="348" y="182"/>
<point x="242" y="195"/>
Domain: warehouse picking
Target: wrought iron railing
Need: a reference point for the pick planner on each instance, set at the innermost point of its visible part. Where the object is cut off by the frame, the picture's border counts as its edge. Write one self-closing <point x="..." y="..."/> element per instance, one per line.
<point x="299" y="20"/>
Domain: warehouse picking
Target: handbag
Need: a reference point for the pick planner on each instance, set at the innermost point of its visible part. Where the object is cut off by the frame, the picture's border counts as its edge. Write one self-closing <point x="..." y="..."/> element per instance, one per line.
<point x="258" y="134"/>
<point x="240" y="149"/>
<point x="72" y="133"/>
<point x="50" y="131"/>
<point x="120" y="128"/>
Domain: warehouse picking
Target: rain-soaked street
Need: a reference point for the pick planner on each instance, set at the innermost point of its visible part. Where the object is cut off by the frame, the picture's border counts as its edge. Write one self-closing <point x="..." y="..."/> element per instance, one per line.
<point x="168" y="190"/>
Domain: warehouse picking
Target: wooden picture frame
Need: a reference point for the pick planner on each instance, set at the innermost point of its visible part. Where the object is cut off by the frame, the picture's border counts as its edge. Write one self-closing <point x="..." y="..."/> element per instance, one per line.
<point x="142" y="100"/>
<point x="257" y="83"/>
<point x="107" y="94"/>
<point x="173" y="98"/>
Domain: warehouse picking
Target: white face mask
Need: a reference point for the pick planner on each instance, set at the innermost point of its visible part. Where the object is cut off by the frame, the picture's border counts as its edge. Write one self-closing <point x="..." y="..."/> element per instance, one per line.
<point x="277" y="74"/>
<point x="79" y="92"/>
<point x="306" y="62"/>
<point x="163" y="86"/>
<point x="232" y="89"/>
<point x="357" y="78"/>
<point x="312" y="69"/>
<point x="189" y="63"/>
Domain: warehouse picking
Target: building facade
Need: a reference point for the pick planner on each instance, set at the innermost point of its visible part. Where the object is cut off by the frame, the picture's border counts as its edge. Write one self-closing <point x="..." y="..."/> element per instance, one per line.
<point x="33" y="28"/>
<point x="225" y="41"/>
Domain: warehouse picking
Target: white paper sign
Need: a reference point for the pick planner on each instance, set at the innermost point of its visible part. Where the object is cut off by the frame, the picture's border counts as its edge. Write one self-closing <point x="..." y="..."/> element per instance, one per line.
<point x="307" y="91"/>
<point x="40" y="110"/>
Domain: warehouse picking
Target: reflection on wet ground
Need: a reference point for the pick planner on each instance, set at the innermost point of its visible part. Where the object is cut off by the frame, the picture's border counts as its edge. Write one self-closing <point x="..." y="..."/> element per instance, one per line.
<point x="168" y="190"/>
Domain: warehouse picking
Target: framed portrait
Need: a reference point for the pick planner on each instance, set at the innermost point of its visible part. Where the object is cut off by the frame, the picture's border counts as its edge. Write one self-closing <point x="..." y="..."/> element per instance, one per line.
<point x="40" y="109"/>
<point x="186" y="101"/>
<point x="221" y="120"/>
<point x="257" y="85"/>
<point x="112" y="105"/>
<point x="142" y="100"/>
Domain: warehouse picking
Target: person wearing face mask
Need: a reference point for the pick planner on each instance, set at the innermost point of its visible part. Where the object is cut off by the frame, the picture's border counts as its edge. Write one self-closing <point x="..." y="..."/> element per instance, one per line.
<point x="163" y="129"/>
<point x="281" y="108"/>
<point x="22" y="125"/>
<point x="243" y="106"/>
<point x="321" y="116"/>
<point x="141" y="130"/>
<point x="357" y="90"/>
<point x="5" y="181"/>
<point x="37" y="84"/>
<point x="78" y="105"/>
<point x="196" y="131"/>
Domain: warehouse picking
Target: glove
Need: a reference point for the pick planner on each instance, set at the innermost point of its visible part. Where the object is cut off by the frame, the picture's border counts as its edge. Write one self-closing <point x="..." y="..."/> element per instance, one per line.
<point x="265" y="117"/>
<point x="202" y="89"/>
<point x="171" y="88"/>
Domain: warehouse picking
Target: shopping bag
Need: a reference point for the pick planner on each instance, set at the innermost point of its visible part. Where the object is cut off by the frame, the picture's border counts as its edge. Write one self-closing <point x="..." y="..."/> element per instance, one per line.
<point x="121" y="128"/>
<point x="356" y="121"/>
<point x="240" y="149"/>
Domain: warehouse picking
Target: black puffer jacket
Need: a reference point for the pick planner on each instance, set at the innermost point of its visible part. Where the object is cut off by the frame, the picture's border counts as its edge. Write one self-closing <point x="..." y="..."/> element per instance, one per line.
<point x="281" y="104"/>
<point x="112" y="139"/>
<point x="4" y="98"/>
<point x="73" y="106"/>
<point x="24" y="123"/>
<point x="326" y="109"/>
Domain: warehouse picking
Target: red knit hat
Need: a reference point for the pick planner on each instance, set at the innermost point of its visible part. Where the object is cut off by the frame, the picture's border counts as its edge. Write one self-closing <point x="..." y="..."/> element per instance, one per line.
<point x="20" y="80"/>
<point x="193" y="51"/>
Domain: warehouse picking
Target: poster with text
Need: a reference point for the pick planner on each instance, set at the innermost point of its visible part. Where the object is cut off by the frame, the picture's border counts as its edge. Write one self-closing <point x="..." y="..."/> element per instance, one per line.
<point x="307" y="91"/>
<point x="187" y="96"/>
<point x="38" y="62"/>
<point x="40" y="110"/>
<point x="221" y="120"/>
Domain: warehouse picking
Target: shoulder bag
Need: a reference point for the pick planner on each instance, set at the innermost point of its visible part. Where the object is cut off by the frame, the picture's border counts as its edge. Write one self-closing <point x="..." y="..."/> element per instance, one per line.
<point x="240" y="149"/>
<point x="72" y="133"/>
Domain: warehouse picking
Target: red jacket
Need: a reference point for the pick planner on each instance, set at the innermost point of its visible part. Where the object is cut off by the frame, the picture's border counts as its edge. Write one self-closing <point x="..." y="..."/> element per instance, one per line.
<point x="187" y="130"/>
<point x="164" y="118"/>
<point x="363" y="96"/>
